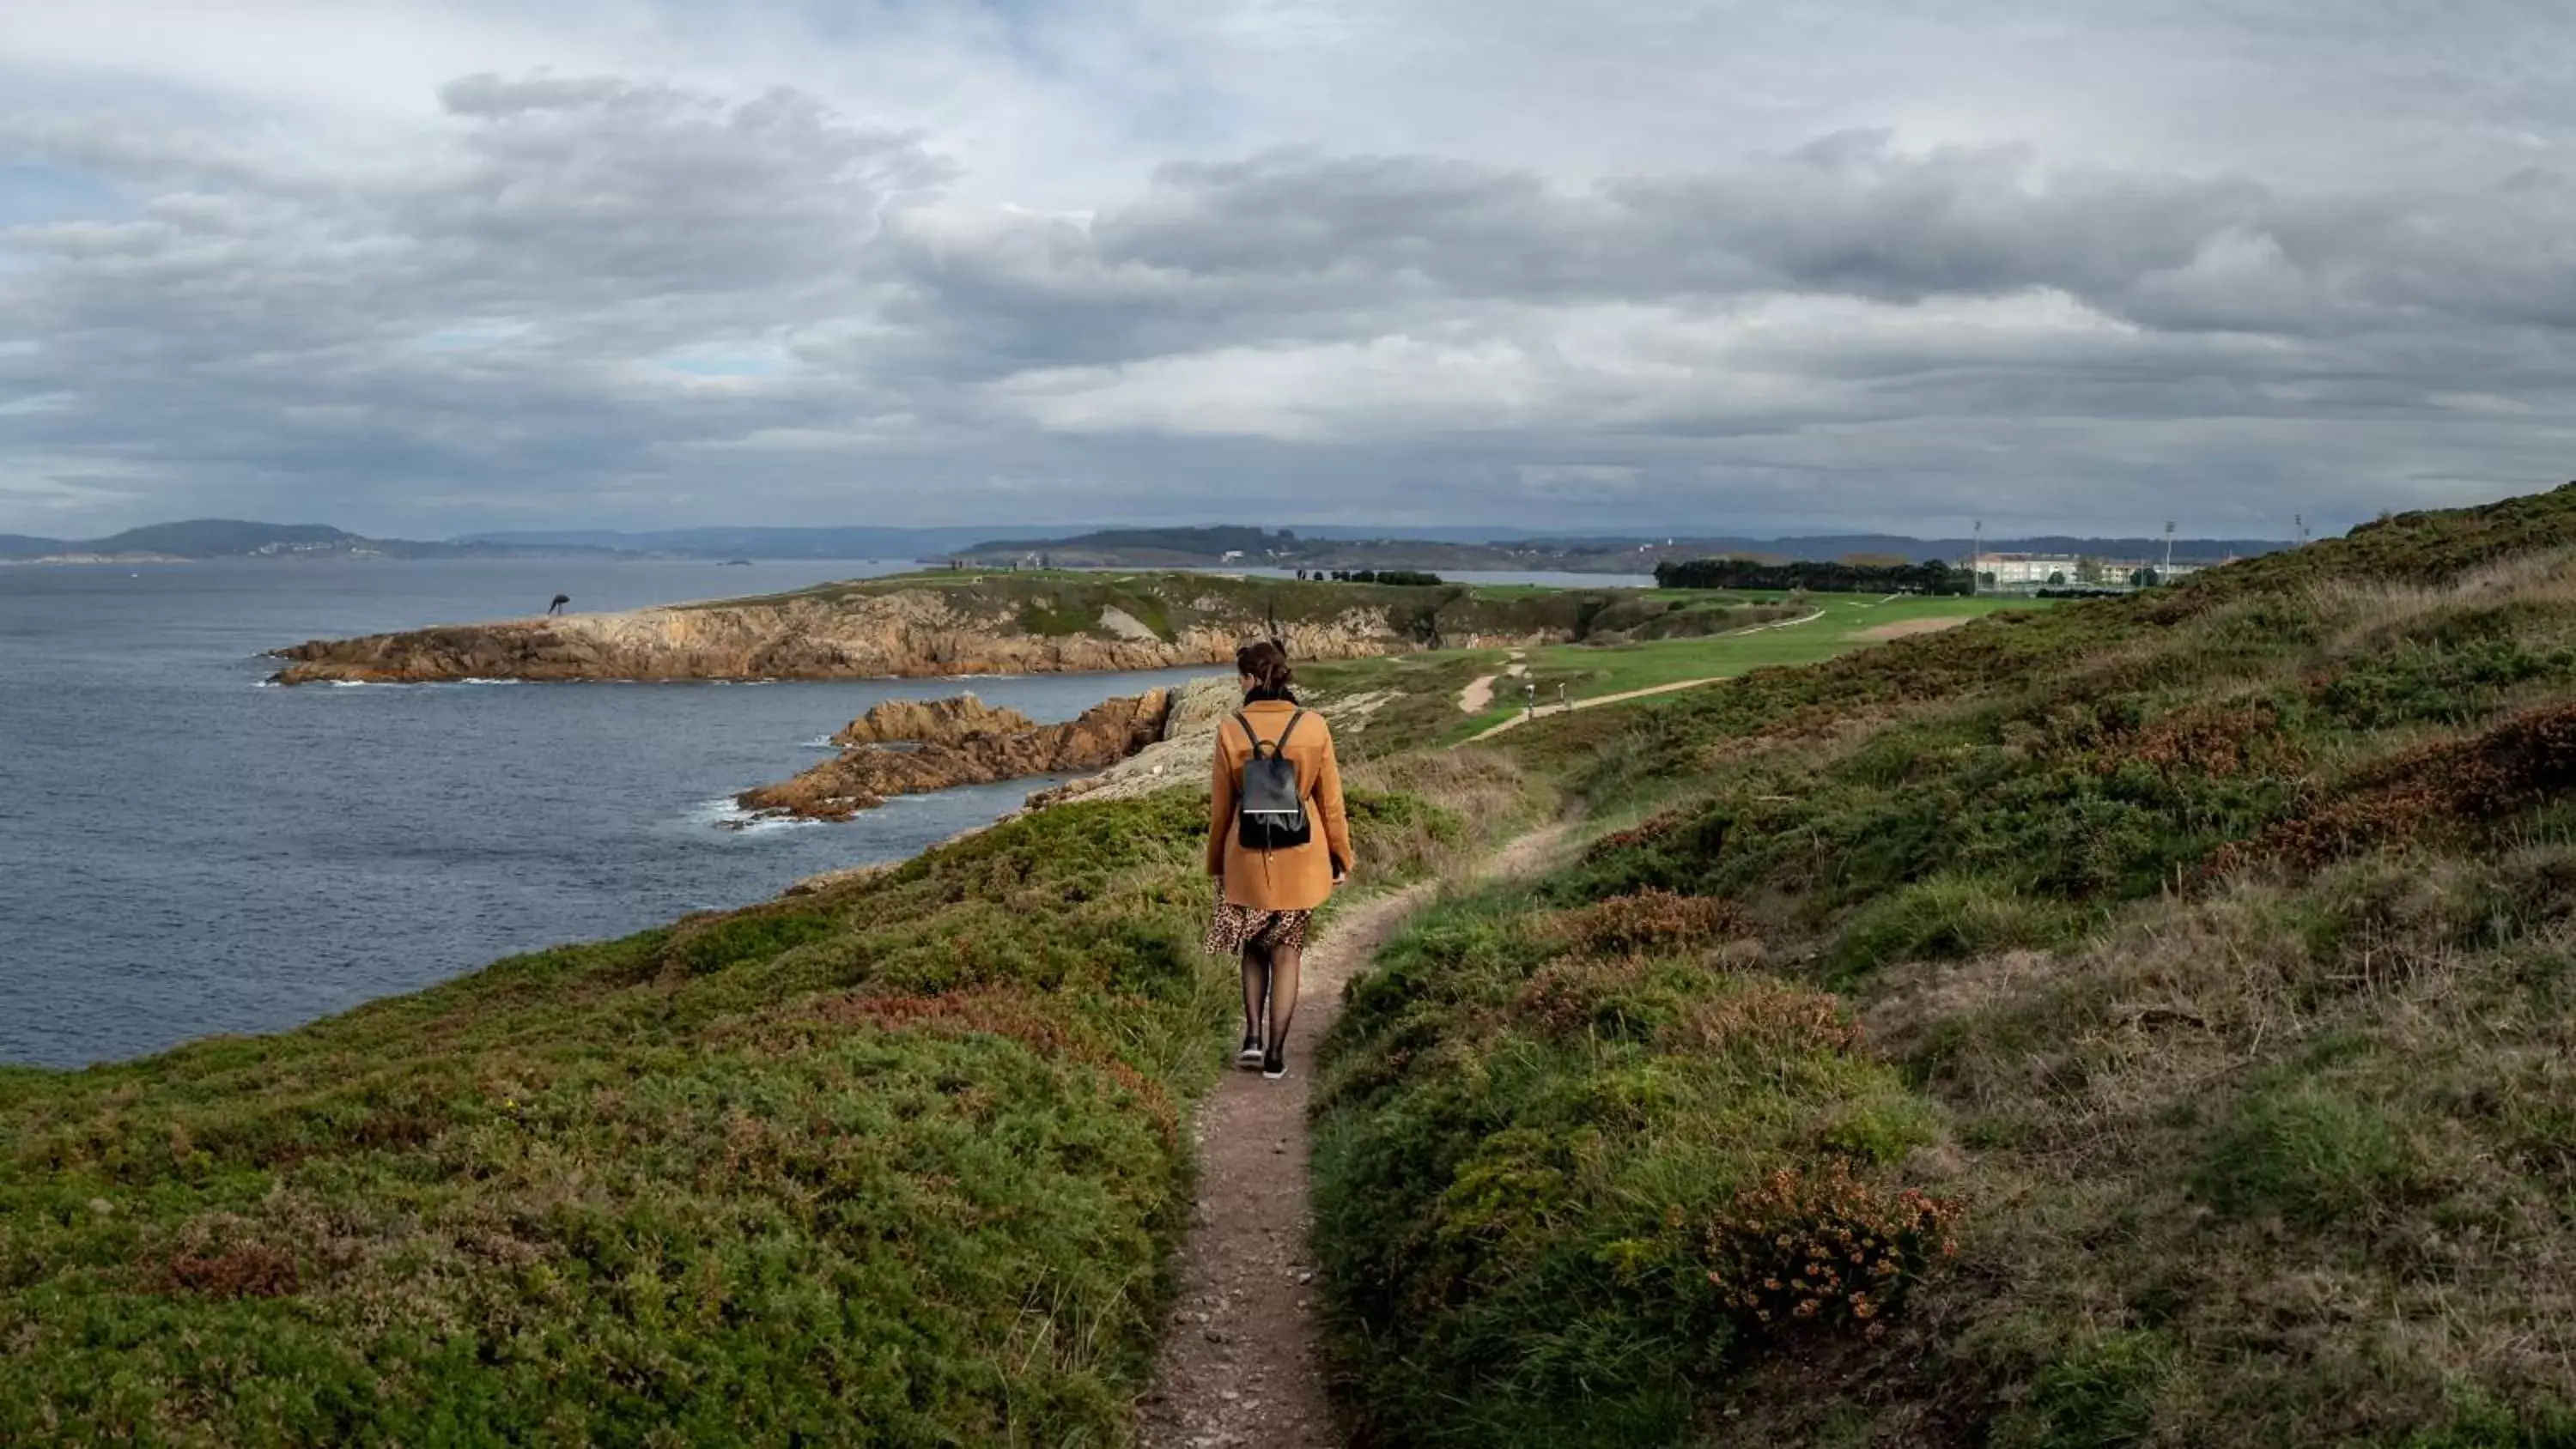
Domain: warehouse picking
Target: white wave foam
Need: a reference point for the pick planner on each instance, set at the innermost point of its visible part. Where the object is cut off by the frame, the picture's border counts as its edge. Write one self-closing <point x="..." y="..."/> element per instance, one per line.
<point x="724" y="814"/>
<point x="819" y="742"/>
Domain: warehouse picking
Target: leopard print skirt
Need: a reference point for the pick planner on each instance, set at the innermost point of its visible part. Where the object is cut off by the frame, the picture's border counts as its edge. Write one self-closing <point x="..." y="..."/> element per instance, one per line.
<point x="1234" y="927"/>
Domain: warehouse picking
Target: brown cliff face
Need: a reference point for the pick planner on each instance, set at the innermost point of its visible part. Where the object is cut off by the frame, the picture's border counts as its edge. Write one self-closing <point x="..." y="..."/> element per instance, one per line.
<point x="931" y="722"/>
<point x="908" y="747"/>
<point x="908" y="633"/>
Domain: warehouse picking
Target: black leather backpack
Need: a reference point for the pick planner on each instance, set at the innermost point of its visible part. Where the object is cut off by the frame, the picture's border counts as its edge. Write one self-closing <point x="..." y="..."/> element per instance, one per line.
<point x="1269" y="799"/>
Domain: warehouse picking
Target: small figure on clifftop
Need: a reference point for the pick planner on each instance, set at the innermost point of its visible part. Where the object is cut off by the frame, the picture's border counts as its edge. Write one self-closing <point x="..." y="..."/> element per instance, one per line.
<point x="1274" y="776"/>
<point x="557" y="606"/>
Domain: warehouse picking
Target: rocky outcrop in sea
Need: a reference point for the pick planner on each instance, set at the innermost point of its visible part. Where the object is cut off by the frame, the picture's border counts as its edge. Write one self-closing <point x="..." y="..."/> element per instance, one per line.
<point x="910" y="747"/>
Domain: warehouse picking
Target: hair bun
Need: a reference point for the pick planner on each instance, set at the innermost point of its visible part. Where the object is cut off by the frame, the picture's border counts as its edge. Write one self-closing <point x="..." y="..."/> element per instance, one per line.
<point x="1265" y="664"/>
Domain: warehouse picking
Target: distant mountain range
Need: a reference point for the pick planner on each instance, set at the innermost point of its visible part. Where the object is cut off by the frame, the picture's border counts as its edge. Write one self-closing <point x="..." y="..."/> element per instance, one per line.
<point x="776" y="543"/>
<point x="1167" y="547"/>
<point x="1322" y="547"/>
<point x="905" y="543"/>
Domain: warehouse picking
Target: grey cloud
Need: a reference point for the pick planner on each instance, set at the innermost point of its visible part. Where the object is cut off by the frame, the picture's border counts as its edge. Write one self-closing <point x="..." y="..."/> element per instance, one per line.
<point x="608" y="287"/>
<point x="234" y="342"/>
<point x="1851" y="213"/>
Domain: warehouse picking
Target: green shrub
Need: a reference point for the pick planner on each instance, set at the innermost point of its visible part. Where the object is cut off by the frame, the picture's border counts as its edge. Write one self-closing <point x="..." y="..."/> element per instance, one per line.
<point x="1949" y="917"/>
<point x="2429" y="684"/>
<point x="2102" y="1396"/>
<point x="2312" y="1153"/>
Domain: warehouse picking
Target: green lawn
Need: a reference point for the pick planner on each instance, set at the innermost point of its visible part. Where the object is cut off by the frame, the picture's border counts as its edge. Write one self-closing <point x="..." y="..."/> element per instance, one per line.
<point x="1845" y="622"/>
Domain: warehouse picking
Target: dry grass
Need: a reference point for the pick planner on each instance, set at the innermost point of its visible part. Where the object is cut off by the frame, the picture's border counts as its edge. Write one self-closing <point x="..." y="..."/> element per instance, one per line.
<point x="1906" y="628"/>
<point x="1483" y="797"/>
<point x="2284" y="1163"/>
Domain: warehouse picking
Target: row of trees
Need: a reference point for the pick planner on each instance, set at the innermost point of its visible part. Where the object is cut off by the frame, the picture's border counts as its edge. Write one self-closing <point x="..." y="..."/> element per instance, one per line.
<point x="1928" y="577"/>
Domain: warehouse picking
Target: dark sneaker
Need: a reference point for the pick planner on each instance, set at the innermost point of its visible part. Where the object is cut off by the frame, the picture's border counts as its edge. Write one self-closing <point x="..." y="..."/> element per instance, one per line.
<point x="1274" y="1063"/>
<point x="1250" y="1056"/>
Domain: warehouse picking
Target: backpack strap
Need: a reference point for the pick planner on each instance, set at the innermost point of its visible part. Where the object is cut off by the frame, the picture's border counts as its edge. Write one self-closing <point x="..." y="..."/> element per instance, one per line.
<point x="1258" y="743"/>
<point x="1249" y="735"/>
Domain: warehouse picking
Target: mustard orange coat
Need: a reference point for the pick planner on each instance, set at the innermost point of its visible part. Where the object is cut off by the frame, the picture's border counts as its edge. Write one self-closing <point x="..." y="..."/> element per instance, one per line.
<point x="1279" y="880"/>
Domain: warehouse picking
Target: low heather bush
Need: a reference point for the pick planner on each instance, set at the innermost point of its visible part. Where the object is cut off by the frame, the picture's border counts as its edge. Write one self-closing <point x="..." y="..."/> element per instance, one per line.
<point x="1825" y="1247"/>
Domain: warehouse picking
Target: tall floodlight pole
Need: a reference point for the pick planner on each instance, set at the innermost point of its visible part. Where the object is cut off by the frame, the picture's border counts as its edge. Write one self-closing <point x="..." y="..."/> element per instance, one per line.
<point x="2301" y="520"/>
<point x="2167" y="576"/>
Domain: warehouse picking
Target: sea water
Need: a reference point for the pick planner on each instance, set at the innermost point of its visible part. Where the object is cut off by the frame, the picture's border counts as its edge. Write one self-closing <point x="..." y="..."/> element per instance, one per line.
<point x="184" y="851"/>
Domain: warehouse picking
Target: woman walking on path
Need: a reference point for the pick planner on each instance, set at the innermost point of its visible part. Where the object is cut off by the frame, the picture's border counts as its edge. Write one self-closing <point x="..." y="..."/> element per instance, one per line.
<point x="1278" y="842"/>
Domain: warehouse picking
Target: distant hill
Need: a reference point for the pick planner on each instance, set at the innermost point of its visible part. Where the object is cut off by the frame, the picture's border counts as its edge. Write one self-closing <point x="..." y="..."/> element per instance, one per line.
<point x="776" y="543"/>
<point x="222" y="538"/>
<point x="210" y="538"/>
<point x="860" y="541"/>
<point x="1144" y="546"/>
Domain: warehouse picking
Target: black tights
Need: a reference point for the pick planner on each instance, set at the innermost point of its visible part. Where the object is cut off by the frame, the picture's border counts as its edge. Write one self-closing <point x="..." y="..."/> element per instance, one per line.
<point x="1270" y="978"/>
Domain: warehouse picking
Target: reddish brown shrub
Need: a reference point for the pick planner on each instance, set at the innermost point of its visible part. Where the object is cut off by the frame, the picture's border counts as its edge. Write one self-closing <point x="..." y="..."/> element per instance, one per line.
<point x="1650" y="921"/>
<point x="2209" y="740"/>
<point x="1826" y="1248"/>
<point x="1564" y="996"/>
<point x="244" y="1270"/>
<point x="2515" y="765"/>
<point x="1647" y="832"/>
<point x="1786" y="1019"/>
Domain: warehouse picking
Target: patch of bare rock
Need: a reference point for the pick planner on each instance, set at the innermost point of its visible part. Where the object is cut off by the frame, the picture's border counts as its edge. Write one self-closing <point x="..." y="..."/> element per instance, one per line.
<point x="1180" y="757"/>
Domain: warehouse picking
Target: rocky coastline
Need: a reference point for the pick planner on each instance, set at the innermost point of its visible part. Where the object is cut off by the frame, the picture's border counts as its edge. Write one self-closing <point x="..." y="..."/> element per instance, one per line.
<point x="926" y="627"/>
<point x="896" y="637"/>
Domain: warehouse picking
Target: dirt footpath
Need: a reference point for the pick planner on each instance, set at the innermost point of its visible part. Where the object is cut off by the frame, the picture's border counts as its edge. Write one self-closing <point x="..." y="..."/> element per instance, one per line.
<point x="1240" y="1365"/>
<point x="1239" y="1359"/>
<point x="1478" y="696"/>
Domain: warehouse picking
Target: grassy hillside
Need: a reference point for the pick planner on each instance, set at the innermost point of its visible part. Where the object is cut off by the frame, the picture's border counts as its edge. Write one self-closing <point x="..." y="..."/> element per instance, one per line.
<point x="893" y="1163"/>
<point x="2140" y="1022"/>
<point x="2143" y="1022"/>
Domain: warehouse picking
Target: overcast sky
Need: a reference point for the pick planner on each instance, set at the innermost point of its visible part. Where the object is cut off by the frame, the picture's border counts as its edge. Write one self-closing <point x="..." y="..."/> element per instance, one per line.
<point x="417" y="267"/>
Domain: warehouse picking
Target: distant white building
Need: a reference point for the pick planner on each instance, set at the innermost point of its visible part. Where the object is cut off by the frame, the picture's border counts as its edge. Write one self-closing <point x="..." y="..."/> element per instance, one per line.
<point x="2046" y="571"/>
<point x="2025" y="570"/>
